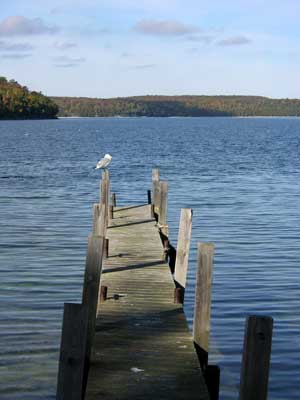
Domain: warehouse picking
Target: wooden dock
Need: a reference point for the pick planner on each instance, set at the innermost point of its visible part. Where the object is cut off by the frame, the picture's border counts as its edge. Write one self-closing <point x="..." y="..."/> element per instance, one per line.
<point x="129" y="338"/>
<point x="143" y="348"/>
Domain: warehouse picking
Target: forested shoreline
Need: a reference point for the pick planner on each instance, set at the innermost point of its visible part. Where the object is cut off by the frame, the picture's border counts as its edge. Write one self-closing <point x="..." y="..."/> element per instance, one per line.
<point x="18" y="102"/>
<point x="169" y="106"/>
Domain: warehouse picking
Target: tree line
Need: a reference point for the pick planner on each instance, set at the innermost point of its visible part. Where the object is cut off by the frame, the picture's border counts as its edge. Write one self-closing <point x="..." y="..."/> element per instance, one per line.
<point x="168" y="106"/>
<point x="17" y="102"/>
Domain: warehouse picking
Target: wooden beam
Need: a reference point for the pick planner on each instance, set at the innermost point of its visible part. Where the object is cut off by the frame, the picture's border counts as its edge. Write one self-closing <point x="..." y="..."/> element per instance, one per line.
<point x="91" y="285"/>
<point x="183" y="247"/>
<point x="256" y="358"/>
<point x="70" y="380"/>
<point x="201" y="329"/>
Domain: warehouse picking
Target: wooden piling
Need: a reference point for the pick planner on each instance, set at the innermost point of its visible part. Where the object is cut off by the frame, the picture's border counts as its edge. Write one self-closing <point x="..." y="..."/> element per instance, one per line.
<point x="111" y="212"/>
<point x="91" y="283"/>
<point x="256" y="358"/>
<point x="149" y="196"/>
<point x="70" y="380"/>
<point x="99" y="225"/>
<point x="162" y="218"/>
<point x="212" y="380"/>
<point x="114" y="199"/>
<point x="106" y="248"/>
<point x="201" y="329"/>
<point x="103" y="293"/>
<point x="183" y="247"/>
<point x="155" y="189"/>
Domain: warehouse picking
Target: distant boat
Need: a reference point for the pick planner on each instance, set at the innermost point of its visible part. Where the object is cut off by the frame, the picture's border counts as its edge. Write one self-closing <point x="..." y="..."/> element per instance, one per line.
<point x="104" y="162"/>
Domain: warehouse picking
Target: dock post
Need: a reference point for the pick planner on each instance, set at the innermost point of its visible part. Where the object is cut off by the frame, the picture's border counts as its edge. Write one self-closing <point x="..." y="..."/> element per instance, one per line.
<point x="201" y="328"/>
<point x="107" y="192"/>
<point x="114" y="199"/>
<point x="162" y="218"/>
<point x="111" y="212"/>
<point x="155" y="189"/>
<point x="183" y="248"/>
<point x="106" y="248"/>
<point x="103" y="293"/>
<point x="99" y="225"/>
<point x="212" y="379"/>
<point x="70" y="381"/>
<point x="91" y="283"/>
<point x="103" y="188"/>
<point x="149" y="196"/>
<point x="256" y="358"/>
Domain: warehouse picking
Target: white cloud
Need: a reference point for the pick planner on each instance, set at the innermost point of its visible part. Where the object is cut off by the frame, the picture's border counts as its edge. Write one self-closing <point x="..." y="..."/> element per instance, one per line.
<point x="19" y="25"/>
<point x="67" y="62"/>
<point x="234" y="41"/>
<point x="15" y="56"/>
<point x="64" y="45"/>
<point x="164" y="28"/>
<point x="4" y="46"/>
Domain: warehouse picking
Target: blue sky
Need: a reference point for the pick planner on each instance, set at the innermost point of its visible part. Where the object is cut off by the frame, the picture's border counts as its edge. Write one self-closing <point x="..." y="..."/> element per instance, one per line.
<point x="110" y="48"/>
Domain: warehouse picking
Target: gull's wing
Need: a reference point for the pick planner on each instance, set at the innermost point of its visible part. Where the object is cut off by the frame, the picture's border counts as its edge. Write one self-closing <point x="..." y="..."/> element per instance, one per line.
<point x="103" y="163"/>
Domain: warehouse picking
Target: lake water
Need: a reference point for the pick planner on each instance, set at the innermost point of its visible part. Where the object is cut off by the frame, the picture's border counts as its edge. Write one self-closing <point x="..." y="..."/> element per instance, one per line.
<point x="240" y="176"/>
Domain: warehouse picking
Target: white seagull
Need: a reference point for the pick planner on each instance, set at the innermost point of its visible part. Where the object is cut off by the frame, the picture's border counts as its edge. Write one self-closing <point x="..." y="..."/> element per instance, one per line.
<point x="104" y="162"/>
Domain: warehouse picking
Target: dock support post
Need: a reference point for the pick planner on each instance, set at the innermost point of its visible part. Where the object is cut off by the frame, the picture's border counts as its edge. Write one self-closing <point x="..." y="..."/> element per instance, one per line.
<point x="99" y="225"/>
<point x="256" y="358"/>
<point x="114" y="199"/>
<point x="70" y="382"/>
<point x="111" y="212"/>
<point x="212" y="379"/>
<point x="149" y="196"/>
<point x="201" y="329"/>
<point x="103" y="293"/>
<point x="91" y="283"/>
<point x="183" y="247"/>
<point x="106" y="248"/>
<point x="155" y="189"/>
<point x="162" y="217"/>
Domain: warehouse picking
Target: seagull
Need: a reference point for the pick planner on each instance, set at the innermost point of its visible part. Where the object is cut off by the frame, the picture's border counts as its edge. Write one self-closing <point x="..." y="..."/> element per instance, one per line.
<point x="104" y="162"/>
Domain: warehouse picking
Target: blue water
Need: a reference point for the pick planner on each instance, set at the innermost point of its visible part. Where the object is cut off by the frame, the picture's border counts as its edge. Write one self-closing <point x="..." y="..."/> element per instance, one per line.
<point x="240" y="176"/>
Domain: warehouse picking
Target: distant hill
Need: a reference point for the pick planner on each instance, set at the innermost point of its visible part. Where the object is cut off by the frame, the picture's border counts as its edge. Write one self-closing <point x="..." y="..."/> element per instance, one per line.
<point x="168" y="106"/>
<point x="17" y="102"/>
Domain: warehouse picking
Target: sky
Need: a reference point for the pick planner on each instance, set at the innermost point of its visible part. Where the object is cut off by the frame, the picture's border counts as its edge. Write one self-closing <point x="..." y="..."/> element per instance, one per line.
<point x="112" y="48"/>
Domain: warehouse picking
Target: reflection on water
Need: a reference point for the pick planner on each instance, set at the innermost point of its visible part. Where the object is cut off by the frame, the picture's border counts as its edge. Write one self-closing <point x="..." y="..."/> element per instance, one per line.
<point x="240" y="176"/>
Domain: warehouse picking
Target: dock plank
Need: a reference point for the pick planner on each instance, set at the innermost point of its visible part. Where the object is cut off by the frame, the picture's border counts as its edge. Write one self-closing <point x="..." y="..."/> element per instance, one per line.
<point x="143" y="348"/>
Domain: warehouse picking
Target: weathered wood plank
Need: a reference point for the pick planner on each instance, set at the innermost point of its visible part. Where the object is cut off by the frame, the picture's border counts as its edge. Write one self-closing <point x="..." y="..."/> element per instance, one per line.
<point x="256" y="358"/>
<point x="72" y="352"/>
<point x="183" y="246"/>
<point x="143" y="348"/>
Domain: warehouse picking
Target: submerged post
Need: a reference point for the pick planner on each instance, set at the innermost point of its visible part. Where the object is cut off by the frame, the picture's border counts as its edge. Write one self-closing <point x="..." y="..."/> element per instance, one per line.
<point x="201" y="329"/>
<point x="183" y="247"/>
<point x="162" y="218"/>
<point x="70" y="382"/>
<point x="256" y="358"/>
